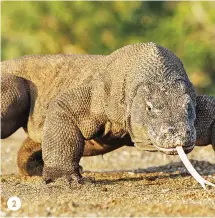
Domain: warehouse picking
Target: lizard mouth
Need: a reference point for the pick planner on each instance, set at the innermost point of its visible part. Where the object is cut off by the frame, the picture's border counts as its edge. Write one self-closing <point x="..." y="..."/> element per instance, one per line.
<point x="148" y="147"/>
<point x="173" y="150"/>
<point x="168" y="151"/>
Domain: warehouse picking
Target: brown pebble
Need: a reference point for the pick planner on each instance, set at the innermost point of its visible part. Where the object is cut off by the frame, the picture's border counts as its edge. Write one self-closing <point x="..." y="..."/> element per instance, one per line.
<point x="104" y="189"/>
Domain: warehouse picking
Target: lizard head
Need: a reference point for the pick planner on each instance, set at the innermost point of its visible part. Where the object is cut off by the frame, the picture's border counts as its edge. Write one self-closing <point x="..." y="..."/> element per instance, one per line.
<point x="161" y="101"/>
<point x="163" y="115"/>
<point x="155" y="96"/>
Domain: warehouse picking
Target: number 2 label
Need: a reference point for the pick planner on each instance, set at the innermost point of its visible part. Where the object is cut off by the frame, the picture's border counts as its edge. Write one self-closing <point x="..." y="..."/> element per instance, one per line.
<point x="14" y="203"/>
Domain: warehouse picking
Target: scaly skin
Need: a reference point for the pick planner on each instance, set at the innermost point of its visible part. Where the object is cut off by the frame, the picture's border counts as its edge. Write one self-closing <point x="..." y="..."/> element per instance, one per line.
<point x="136" y="91"/>
<point x="205" y="121"/>
<point x="204" y="124"/>
<point x="14" y="104"/>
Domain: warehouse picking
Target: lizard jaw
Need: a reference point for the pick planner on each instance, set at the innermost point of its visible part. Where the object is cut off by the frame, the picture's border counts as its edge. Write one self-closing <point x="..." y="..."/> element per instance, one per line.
<point x="173" y="151"/>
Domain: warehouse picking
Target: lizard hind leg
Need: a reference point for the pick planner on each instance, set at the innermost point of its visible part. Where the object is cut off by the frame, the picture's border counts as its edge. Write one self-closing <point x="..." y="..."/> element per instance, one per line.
<point x="29" y="158"/>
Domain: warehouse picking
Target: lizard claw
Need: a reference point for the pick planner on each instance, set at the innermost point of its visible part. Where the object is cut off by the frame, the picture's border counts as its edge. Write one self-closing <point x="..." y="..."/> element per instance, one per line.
<point x="52" y="174"/>
<point x="47" y="181"/>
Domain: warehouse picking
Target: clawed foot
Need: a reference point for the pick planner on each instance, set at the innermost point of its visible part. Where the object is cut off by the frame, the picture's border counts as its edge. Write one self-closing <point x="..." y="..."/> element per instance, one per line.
<point x="51" y="174"/>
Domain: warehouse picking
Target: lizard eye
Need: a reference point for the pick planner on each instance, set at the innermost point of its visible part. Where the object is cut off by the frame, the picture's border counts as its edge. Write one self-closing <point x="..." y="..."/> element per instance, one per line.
<point x="148" y="108"/>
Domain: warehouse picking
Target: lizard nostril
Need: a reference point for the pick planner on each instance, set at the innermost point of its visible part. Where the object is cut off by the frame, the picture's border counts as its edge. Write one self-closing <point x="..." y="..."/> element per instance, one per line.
<point x="188" y="132"/>
<point x="169" y="131"/>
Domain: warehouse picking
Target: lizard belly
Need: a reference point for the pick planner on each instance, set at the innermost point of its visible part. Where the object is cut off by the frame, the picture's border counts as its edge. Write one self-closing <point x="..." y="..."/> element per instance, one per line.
<point x="104" y="145"/>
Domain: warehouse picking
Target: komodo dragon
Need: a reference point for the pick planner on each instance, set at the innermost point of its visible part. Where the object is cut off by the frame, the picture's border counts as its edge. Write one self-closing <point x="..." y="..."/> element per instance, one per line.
<point x="140" y="91"/>
<point x="30" y="154"/>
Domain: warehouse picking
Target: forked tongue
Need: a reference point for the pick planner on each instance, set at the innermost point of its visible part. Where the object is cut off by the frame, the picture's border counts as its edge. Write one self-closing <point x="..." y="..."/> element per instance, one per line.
<point x="191" y="169"/>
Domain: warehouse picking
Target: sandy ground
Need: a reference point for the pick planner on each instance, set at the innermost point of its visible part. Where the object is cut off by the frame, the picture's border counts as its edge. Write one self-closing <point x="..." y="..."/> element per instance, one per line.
<point x="125" y="182"/>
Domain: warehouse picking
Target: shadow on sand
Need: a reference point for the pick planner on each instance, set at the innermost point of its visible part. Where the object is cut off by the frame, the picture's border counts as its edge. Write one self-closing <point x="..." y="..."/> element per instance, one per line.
<point x="171" y="170"/>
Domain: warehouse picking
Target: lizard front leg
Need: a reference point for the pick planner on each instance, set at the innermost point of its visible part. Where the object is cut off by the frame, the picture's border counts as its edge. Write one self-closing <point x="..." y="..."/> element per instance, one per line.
<point x="63" y="141"/>
<point x="62" y="147"/>
<point x="15" y="104"/>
